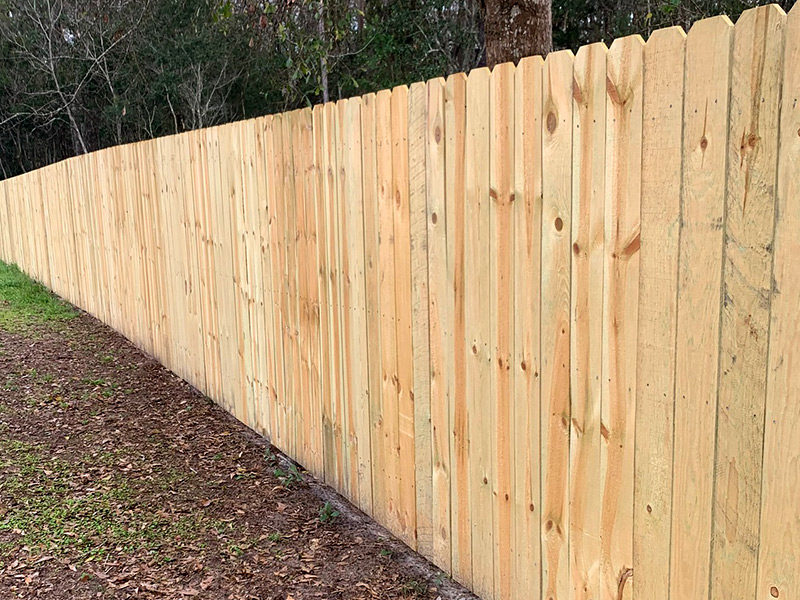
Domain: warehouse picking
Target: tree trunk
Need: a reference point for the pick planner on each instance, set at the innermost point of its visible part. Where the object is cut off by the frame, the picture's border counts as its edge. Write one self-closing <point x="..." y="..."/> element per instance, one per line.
<point x="517" y="28"/>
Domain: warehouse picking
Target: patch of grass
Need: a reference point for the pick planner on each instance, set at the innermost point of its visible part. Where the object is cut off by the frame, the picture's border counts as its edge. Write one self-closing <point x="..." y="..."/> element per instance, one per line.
<point x="24" y="303"/>
<point x="46" y="514"/>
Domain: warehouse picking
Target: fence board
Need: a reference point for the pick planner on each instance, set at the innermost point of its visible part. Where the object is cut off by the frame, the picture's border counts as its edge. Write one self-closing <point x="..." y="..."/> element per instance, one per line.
<point x="705" y="134"/>
<point x="526" y="510"/>
<point x="747" y="285"/>
<point x="455" y="192"/>
<point x="662" y="137"/>
<point x="404" y="314"/>
<point x="477" y="302"/>
<point x="388" y="332"/>
<point x="440" y="307"/>
<point x="555" y="321"/>
<point x="778" y="560"/>
<point x="372" y="282"/>
<point x="420" y="332"/>
<point x="620" y="302"/>
<point x="586" y="327"/>
<point x="501" y="282"/>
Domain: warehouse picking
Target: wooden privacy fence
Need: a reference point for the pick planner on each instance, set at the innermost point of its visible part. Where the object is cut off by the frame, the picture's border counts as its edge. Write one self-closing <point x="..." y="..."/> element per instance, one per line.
<point x="542" y="322"/>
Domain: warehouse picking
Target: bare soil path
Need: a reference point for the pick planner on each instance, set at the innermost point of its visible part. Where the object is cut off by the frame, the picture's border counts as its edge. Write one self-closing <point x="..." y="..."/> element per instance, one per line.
<point x="117" y="480"/>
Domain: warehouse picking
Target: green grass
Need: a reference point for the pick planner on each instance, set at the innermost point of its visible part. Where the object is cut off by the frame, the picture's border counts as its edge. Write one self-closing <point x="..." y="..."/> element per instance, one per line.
<point x="47" y="514"/>
<point x="24" y="303"/>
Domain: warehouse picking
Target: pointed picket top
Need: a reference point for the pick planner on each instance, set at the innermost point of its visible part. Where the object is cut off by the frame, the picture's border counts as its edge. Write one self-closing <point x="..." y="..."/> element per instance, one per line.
<point x="712" y="27"/>
<point x="772" y="13"/>
<point x="666" y="37"/>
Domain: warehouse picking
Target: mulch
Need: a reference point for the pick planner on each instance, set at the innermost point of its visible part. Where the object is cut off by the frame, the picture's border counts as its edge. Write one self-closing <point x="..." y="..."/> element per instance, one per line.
<point x="187" y="500"/>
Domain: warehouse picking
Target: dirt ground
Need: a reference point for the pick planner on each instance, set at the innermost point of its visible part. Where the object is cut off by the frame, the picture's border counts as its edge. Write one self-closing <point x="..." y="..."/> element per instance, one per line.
<point x="117" y="480"/>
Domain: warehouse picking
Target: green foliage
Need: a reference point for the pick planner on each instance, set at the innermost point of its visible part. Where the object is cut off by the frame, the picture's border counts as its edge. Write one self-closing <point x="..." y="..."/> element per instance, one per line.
<point x="23" y="302"/>
<point x="327" y="513"/>
<point x="290" y="478"/>
<point x="131" y="70"/>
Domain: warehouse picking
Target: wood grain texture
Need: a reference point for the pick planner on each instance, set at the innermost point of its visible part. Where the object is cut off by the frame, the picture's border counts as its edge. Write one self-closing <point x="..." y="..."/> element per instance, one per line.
<point x="404" y="314"/>
<point x="455" y="195"/>
<point x="526" y="508"/>
<point x="620" y="307"/>
<point x="477" y="303"/>
<point x="441" y="323"/>
<point x="388" y="424"/>
<point x="705" y="135"/>
<point x="373" y="310"/>
<point x="555" y="321"/>
<point x="662" y="139"/>
<point x="778" y="560"/>
<point x="747" y="289"/>
<point x="501" y="282"/>
<point x="586" y="328"/>
<point x="420" y="332"/>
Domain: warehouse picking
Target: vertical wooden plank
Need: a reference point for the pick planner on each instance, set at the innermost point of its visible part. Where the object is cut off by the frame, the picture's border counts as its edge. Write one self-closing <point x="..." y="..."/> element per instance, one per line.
<point x="302" y="324"/>
<point x="249" y="274"/>
<point x="404" y="313"/>
<point x="221" y="165"/>
<point x="705" y="134"/>
<point x="372" y="299"/>
<point x="420" y="333"/>
<point x="290" y="311"/>
<point x="440" y="310"/>
<point x="274" y="164"/>
<point x="346" y="416"/>
<point x="203" y="196"/>
<point x="620" y="305"/>
<point x="357" y="366"/>
<point x="662" y="137"/>
<point x="555" y="315"/>
<point x="747" y="289"/>
<point x="477" y="306"/>
<point x="327" y="290"/>
<point x="455" y="182"/>
<point x="388" y="425"/>
<point x="311" y="179"/>
<point x="526" y="510"/>
<point x="779" y="561"/>
<point x="586" y="329"/>
<point x="501" y="283"/>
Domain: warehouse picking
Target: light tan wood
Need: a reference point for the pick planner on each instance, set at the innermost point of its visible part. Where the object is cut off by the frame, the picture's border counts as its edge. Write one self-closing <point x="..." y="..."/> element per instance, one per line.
<point x="404" y="314"/>
<point x="586" y="328"/>
<point x="372" y="298"/>
<point x="501" y="282"/>
<point x="440" y="308"/>
<point x="620" y="305"/>
<point x="347" y="413"/>
<point x="460" y="506"/>
<point x="387" y="487"/>
<point x="705" y="134"/>
<point x="526" y="509"/>
<point x="778" y="560"/>
<point x="478" y="338"/>
<point x="357" y="302"/>
<point x="662" y="138"/>
<point x="555" y="321"/>
<point x="756" y="70"/>
<point x="420" y="331"/>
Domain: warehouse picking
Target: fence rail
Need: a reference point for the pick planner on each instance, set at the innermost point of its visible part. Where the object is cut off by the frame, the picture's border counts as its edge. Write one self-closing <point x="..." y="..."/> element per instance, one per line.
<point x="541" y="322"/>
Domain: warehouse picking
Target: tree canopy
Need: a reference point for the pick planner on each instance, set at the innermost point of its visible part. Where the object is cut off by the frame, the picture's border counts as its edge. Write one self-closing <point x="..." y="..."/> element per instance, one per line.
<point x="79" y="75"/>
